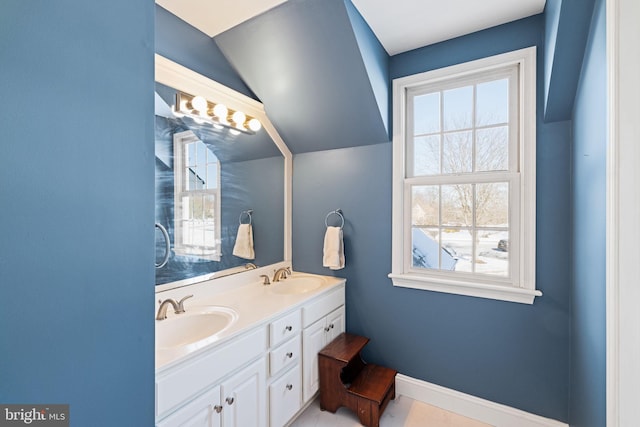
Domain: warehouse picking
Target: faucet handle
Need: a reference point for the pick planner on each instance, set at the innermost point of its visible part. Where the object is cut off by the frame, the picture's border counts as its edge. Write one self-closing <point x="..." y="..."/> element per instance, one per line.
<point x="181" y="304"/>
<point x="266" y="279"/>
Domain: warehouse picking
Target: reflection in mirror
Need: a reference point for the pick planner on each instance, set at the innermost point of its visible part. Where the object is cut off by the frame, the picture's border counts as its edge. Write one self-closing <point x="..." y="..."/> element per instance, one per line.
<point x="196" y="207"/>
<point x="206" y="177"/>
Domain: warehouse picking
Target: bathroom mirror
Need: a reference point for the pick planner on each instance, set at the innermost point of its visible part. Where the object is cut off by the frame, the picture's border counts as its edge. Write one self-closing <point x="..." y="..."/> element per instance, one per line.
<point x="210" y="179"/>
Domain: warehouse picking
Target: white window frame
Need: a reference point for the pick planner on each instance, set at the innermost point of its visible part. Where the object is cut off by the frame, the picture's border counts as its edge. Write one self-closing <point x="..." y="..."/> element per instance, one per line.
<point x="522" y="216"/>
<point x="210" y="252"/>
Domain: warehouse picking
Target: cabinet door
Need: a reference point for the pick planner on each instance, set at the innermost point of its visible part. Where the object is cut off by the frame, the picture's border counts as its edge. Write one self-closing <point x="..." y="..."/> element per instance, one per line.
<point x="285" y="397"/>
<point x="202" y="412"/>
<point x="335" y="324"/>
<point x="244" y="397"/>
<point x="313" y="340"/>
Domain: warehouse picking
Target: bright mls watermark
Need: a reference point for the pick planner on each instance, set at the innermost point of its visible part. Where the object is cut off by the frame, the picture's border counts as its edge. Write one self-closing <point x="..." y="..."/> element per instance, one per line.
<point x="34" y="415"/>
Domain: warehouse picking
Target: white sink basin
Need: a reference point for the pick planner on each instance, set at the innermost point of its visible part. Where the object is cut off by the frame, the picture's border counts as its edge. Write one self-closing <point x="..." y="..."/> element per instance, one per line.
<point x="297" y="285"/>
<point x="193" y="326"/>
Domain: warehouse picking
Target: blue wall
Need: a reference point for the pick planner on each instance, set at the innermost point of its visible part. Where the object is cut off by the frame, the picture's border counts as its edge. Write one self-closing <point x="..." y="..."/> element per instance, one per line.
<point x="567" y="25"/>
<point x="318" y="69"/>
<point x="509" y="353"/>
<point x="588" y="339"/>
<point x="76" y="184"/>
<point x="375" y="59"/>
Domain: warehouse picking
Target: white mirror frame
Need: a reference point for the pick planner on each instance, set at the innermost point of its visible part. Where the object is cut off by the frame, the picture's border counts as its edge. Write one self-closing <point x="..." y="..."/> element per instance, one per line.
<point x="174" y="75"/>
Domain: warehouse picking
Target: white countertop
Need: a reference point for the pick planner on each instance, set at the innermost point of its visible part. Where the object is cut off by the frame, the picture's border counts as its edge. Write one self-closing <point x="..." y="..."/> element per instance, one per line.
<point x="254" y="304"/>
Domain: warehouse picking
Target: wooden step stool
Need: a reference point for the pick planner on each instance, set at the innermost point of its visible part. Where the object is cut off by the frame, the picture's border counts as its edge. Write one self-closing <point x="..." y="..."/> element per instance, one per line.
<point x="346" y="380"/>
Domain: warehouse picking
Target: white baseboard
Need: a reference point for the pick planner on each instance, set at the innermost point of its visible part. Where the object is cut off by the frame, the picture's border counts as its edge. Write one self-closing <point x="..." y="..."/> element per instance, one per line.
<point x="469" y="406"/>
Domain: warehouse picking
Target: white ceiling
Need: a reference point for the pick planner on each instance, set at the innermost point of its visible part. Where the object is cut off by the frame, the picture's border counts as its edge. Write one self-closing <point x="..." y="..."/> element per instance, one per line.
<point x="400" y="25"/>
<point x="213" y="17"/>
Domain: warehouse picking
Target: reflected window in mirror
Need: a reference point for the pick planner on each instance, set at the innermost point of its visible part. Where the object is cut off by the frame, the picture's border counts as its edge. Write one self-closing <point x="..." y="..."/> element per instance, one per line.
<point x="197" y="198"/>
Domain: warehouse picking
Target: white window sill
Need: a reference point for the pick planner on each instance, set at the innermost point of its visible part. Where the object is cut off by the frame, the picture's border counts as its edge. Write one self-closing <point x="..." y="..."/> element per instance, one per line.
<point x="480" y="290"/>
<point x="196" y="254"/>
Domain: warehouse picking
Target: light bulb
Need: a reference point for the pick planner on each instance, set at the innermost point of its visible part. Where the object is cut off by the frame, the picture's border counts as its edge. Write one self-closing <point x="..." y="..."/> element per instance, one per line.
<point x="238" y="118"/>
<point x="199" y="103"/>
<point x="255" y="125"/>
<point x="220" y="110"/>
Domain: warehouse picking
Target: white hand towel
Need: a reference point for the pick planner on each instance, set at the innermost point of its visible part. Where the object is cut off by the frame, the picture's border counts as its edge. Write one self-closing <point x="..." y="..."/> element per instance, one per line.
<point x="243" y="247"/>
<point x="333" y="253"/>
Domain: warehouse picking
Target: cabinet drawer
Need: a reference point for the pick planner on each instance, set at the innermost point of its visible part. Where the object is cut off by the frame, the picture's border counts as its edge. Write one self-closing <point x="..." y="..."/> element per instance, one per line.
<point x="285" y="397"/>
<point x="284" y="328"/>
<point x="286" y="355"/>
<point x="320" y="308"/>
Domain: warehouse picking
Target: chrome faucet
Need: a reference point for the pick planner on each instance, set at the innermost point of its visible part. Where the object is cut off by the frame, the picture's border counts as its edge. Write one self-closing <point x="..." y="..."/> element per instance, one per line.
<point x="266" y="279"/>
<point x="281" y="273"/>
<point x="178" y="307"/>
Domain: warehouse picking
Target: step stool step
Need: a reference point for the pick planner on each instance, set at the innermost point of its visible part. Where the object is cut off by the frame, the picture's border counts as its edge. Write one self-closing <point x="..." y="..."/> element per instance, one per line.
<point x="344" y="347"/>
<point x="373" y="383"/>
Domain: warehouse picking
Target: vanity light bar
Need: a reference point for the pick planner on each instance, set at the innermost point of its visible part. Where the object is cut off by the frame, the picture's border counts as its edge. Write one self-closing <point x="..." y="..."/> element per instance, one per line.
<point x="198" y="108"/>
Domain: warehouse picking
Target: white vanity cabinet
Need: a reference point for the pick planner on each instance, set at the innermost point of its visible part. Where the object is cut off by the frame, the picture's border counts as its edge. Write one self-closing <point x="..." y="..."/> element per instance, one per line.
<point x="323" y="320"/>
<point x="262" y="375"/>
<point x="223" y="387"/>
<point x="237" y="402"/>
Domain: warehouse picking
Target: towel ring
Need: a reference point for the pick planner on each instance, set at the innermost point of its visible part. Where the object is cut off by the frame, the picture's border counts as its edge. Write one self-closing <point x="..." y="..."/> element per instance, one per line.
<point x="248" y="213"/>
<point x="167" y="246"/>
<point x="336" y="212"/>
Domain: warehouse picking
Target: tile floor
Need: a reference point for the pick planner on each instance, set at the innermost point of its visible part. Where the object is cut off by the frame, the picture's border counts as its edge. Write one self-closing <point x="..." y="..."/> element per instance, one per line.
<point x="401" y="412"/>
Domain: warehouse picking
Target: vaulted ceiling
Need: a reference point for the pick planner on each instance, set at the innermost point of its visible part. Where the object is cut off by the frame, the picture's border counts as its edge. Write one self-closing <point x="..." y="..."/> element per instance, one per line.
<point x="400" y="25"/>
<point x="321" y="67"/>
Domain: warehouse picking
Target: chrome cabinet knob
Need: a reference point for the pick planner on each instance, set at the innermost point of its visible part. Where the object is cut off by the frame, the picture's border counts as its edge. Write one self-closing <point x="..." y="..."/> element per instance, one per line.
<point x="289" y="328"/>
<point x="230" y="400"/>
<point x="289" y="355"/>
<point x="217" y="408"/>
<point x="289" y="386"/>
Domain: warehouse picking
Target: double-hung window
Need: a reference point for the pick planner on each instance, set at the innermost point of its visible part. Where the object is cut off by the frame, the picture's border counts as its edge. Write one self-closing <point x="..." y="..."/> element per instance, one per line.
<point x="197" y="198"/>
<point x="464" y="179"/>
